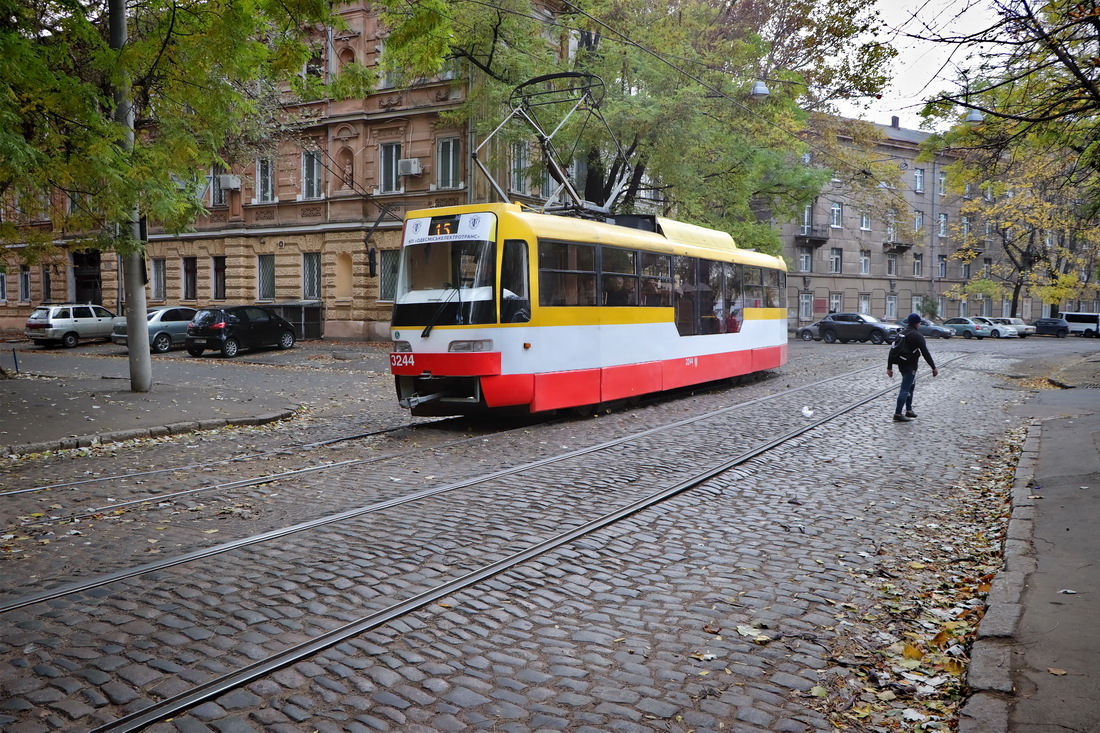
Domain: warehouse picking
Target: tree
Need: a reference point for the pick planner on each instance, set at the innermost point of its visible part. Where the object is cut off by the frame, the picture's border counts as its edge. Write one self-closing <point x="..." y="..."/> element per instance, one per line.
<point x="678" y="78"/>
<point x="1035" y="77"/>
<point x="205" y="79"/>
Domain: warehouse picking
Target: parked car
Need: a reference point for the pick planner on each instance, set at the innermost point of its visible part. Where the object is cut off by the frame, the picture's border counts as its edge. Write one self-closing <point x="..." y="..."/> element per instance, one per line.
<point x="1022" y="328"/>
<point x="811" y="332"/>
<point x="231" y="329"/>
<point x="1082" y="324"/>
<point x="998" y="330"/>
<point x="167" y="327"/>
<point x="845" y="327"/>
<point x="68" y="323"/>
<point x="1058" y="327"/>
<point x="967" y="328"/>
<point x="931" y="330"/>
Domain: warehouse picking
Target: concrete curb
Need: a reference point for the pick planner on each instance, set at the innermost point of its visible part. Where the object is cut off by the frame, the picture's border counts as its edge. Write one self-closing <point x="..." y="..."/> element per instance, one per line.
<point x="179" y="428"/>
<point x="990" y="673"/>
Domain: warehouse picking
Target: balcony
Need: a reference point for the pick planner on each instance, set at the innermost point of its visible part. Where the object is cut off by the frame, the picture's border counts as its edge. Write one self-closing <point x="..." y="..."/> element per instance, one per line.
<point x="892" y="246"/>
<point x="811" y="236"/>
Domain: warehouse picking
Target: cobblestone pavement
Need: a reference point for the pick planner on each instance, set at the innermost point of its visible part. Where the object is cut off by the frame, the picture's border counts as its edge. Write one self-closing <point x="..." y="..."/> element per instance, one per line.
<point x="715" y="611"/>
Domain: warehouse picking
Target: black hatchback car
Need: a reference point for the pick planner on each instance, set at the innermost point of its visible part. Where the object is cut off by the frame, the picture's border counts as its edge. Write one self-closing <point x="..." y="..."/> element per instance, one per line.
<point x="231" y="329"/>
<point x="1052" y="327"/>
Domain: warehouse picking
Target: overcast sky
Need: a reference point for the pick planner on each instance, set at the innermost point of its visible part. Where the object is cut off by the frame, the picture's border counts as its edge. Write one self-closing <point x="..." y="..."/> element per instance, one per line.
<point x="921" y="69"/>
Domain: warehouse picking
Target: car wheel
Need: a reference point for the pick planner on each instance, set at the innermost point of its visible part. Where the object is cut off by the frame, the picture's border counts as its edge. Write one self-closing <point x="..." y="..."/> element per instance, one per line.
<point x="230" y="348"/>
<point x="829" y="337"/>
<point x="967" y="334"/>
<point x="70" y="340"/>
<point x="194" y="351"/>
<point x="286" y="340"/>
<point x="995" y="334"/>
<point x="806" y="335"/>
<point x="1062" y="333"/>
<point x="877" y="337"/>
<point x="162" y="343"/>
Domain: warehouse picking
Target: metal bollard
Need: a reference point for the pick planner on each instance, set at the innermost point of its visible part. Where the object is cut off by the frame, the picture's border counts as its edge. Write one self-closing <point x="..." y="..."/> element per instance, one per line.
<point x="15" y="359"/>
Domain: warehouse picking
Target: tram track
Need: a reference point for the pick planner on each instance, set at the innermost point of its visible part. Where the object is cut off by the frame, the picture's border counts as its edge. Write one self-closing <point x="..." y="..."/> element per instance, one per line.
<point x="497" y="551"/>
<point x="222" y="684"/>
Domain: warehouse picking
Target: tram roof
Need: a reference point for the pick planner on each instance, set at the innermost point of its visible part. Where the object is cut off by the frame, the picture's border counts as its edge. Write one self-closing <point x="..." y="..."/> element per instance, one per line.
<point x="672" y="235"/>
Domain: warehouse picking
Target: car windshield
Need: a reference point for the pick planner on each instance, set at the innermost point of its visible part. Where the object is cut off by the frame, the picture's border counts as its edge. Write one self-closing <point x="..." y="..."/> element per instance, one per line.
<point x="871" y="319"/>
<point x="206" y="318"/>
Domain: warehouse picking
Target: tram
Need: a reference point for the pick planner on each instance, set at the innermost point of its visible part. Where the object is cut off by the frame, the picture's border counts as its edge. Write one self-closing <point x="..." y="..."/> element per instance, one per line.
<point x="502" y="309"/>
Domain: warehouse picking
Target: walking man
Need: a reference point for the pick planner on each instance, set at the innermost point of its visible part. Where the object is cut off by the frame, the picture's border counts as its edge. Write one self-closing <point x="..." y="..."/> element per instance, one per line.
<point x="906" y="352"/>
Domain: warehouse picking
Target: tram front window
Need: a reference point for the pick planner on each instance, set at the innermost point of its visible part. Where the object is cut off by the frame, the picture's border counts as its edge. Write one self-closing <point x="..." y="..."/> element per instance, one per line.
<point x="445" y="283"/>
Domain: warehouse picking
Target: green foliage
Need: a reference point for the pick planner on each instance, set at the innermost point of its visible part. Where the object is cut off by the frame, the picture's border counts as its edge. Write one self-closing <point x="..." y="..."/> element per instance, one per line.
<point x="203" y="77"/>
<point x="677" y="78"/>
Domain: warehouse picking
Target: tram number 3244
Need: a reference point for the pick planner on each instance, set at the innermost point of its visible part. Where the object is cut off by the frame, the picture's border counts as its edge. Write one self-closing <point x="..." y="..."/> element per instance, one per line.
<point x="400" y="360"/>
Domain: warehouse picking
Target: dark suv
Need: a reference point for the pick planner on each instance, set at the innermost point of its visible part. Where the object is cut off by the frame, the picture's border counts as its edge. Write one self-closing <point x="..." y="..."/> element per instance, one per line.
<point x="1052" y="327"/>
<point x="229" y="330"/>
<point x="845" y="327"/>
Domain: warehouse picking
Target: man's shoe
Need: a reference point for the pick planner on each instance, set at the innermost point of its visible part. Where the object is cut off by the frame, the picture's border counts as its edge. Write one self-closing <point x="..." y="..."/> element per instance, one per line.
<point x="898" y="417"/>
<point x="910" y="413"/>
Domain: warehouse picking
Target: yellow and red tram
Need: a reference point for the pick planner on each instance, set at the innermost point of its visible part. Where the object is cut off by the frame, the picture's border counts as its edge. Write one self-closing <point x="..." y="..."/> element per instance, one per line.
<point x="498" y="308"/>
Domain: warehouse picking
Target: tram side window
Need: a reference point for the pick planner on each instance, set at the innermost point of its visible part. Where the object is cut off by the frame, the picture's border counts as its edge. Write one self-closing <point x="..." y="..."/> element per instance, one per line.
<point x="515" y="300"/>
<point x="735" y="295"/>
<point x="619" y="276"/>
<point x="773" y="290"/>
<point x="754" y="287"/>
<point x="656" y="280"/>
<point x="712" y="304"/>
<point x="567" y="273"/>
<point x="684" y="295"/>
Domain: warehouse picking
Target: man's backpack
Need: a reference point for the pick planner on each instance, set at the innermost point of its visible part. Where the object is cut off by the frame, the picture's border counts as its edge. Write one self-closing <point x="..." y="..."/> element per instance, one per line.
<point x="900" y="351"/>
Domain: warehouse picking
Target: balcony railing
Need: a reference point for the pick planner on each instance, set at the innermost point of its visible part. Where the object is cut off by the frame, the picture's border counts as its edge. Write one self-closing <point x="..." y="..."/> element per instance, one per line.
<point x="811" y="235"/>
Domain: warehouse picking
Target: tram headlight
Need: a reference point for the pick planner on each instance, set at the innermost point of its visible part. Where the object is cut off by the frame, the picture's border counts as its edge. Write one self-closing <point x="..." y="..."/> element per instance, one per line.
<point x="477" y="345"/>
<point x="402" y="347"/>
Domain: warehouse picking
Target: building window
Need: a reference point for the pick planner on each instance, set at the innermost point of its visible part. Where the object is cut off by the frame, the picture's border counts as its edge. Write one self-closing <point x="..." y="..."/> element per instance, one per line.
<point x="987" y="267"/>
<point x="265" y="181"/>
<point x="836" y="214"/>
<point x="966" y="271"/>
<point x="918" y="220"/>
<point x="389" y="154"/>
<point x="941" y="184"/>
<point x="47" y="285"/>
<point x="190" y="278"/>
<point x="865" y="221"/>
<point x="941" y="306"/>
<point x="387" y="273"/>
<point x="3" y="287"/>
<point x="217" y="193"/>
<point x="918" y="265"/>
<point x="520" y="164"/>
<point x="941" y="267"/>
<point x="964" y="226"/>
<point x="891" y="307"/>
<point x="918" y="180"/>
<point x="158" y="286"/>
<point x="265" y="277"/>
<point x="835" y="255"/>
<point x="942" y="228"/>
<point x="217" y="267"/>
<point x="311" y="175"/>
<point x="989" y="232"/>
<point x="805" y="306"/>
<point x="865" y="262"/>
<point x="805" y="259"/>
<point x="24" y="284"/>
<point x="892" y="265"/>
<point x="836" y="302"/>
<point x="865" y="303"/>
<point x="916" y="303"/>
<point x="447" y="163"/>
<point x="964" y="309"/>
<point x="807" y="218"/>
<point x="311" y="276"/>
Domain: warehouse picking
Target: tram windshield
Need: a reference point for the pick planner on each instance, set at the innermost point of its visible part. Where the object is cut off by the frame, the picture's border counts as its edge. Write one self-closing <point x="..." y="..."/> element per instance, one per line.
<point x="446" y="282"/>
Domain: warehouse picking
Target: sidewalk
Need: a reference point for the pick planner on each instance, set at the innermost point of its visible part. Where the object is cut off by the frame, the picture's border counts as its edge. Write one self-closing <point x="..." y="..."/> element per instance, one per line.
<point x="1033" y="667"/>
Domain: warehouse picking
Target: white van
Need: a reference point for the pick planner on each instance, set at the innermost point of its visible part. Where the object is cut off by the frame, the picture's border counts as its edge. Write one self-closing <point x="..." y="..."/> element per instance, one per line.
<point x="1083" y="324"/>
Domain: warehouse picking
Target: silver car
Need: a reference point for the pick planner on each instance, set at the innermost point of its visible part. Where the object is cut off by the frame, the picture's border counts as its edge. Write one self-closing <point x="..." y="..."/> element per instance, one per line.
<point x="68" y="323"/>
<point x="1022" y="327"/>
<point x="998" y="330"/>
<point x="167" y="327"/>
